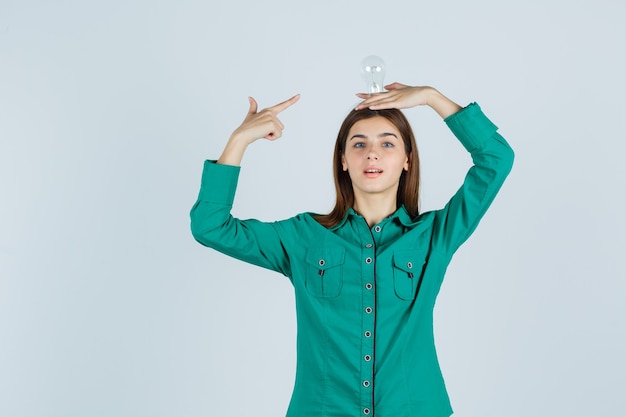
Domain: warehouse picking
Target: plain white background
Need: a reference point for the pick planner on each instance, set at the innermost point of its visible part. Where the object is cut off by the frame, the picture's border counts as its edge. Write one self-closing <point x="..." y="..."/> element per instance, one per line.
<point x="108" y="109"/>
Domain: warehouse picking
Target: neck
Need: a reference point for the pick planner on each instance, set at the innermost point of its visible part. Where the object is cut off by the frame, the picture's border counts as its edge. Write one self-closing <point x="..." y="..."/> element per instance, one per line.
<point x="374" y="207"/>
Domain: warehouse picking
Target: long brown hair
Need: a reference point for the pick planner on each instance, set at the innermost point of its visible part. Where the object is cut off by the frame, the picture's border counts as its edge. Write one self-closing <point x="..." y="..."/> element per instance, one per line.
<point x="408" y="188"/>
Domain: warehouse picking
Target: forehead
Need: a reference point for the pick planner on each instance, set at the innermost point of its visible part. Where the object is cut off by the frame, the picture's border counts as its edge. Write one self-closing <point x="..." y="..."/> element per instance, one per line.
<point x="373" y="126"/>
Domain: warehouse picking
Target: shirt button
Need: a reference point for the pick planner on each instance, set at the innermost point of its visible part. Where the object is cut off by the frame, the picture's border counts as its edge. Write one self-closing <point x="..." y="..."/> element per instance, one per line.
<point x="368" y="260"/>
<point x="369" y="245"/>
<point x="410" y="265"/>
<point x="368" y="310"/>
<point x="367" y="333"/>
<point x="322" y="262"/>
<point x="366" y="411"/>
<point x="368" y="286"/>
<point x="366" y="384"/>
<point x="377" y="229"/>
<point x="367" y="358"/>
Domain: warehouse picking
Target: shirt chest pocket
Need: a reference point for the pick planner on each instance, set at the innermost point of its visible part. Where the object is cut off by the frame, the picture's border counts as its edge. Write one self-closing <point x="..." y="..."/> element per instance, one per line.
<point x="407" y="272"/>
<point x="324" y="271"/>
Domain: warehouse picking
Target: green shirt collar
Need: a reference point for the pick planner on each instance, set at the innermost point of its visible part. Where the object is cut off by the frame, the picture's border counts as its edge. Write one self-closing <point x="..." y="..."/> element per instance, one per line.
<point x="400" y="214"/>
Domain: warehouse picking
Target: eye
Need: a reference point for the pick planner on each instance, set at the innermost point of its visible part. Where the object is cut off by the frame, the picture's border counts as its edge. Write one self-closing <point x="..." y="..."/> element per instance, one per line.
<point x="359" y="144"/>
<point x="388" y="145"/>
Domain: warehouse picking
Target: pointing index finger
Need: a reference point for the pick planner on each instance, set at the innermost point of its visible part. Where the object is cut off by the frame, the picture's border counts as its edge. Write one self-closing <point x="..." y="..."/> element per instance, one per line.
<point x="285" y="104"/>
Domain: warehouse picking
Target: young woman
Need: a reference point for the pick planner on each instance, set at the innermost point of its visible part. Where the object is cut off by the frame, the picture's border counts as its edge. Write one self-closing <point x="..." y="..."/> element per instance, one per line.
<point x="366" y="275"/>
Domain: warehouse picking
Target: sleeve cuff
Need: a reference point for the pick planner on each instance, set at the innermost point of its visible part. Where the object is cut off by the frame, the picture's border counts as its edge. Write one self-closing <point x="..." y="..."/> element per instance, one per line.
<point x="219" y="183"/>
<point x="471" y="127"/>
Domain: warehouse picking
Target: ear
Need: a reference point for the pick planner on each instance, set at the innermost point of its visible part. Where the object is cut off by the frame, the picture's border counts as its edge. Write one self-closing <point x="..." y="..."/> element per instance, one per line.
<point x="343" y="163"/>
<point x="407" y="162"/>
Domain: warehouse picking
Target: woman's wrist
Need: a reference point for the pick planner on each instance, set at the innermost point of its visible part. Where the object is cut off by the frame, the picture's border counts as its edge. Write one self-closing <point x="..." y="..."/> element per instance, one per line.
<point x="233" y="151"/>
<point x="441" y="104"/>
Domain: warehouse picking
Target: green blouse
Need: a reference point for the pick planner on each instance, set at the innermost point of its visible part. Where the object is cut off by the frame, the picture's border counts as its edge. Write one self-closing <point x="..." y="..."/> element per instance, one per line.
<point x="364" y="296"/>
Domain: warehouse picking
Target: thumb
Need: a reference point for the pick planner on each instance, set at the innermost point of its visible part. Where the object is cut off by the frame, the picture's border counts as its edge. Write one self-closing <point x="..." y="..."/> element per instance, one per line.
<point x="253" y="106"/>
<point x="394" y="86"/>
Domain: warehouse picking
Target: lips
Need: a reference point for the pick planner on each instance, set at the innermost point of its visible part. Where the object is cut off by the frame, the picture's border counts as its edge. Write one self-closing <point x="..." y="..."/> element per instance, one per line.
<point x="372" y="172"/>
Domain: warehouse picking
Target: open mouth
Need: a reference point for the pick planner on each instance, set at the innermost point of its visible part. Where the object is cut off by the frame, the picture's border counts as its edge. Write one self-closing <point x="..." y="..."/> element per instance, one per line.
<point x="373" y="172"/>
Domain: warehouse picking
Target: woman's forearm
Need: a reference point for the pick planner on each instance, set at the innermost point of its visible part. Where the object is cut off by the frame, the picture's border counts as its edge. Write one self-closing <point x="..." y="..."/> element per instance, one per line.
<point x="441" y="104"/>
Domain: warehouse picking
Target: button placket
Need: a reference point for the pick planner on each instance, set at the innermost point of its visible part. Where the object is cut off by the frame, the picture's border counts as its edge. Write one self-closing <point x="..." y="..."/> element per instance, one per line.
<point x="368" y="290"/>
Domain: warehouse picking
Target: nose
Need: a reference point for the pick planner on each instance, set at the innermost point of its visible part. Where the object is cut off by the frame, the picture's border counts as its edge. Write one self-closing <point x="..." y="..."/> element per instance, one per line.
<point x="372" y="156"/>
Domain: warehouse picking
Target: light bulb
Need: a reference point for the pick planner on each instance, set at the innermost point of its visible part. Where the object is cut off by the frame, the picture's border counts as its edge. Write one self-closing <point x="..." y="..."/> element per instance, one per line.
<point x="373" y="72"/>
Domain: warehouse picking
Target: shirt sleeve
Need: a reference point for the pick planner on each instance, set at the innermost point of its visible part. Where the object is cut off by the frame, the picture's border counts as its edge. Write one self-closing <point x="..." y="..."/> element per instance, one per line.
<point x="212" y="224"/>
<point x="493" y="160"/>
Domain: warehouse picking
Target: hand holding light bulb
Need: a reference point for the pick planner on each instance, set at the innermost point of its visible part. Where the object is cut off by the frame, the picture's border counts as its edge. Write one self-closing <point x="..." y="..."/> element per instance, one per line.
<point x="380" y="96"/>
<point x="397" y="95"/>
<point x="400" y="96"/>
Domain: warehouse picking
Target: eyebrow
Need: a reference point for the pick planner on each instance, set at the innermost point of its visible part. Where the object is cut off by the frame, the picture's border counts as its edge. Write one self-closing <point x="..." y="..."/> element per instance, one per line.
<point x="380" y="135"/>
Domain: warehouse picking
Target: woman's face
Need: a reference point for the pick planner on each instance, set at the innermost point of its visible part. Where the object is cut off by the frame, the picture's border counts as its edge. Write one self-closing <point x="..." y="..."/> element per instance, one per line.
<point x="375" y="157"/>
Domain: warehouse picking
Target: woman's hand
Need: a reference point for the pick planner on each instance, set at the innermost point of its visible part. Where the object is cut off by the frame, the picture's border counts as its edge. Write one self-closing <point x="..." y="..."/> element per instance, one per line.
<point x="400" y="96"/>
<point x="256" y="125"/>
<point x="397" y="96"/>
<point x="265" y="123"/>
